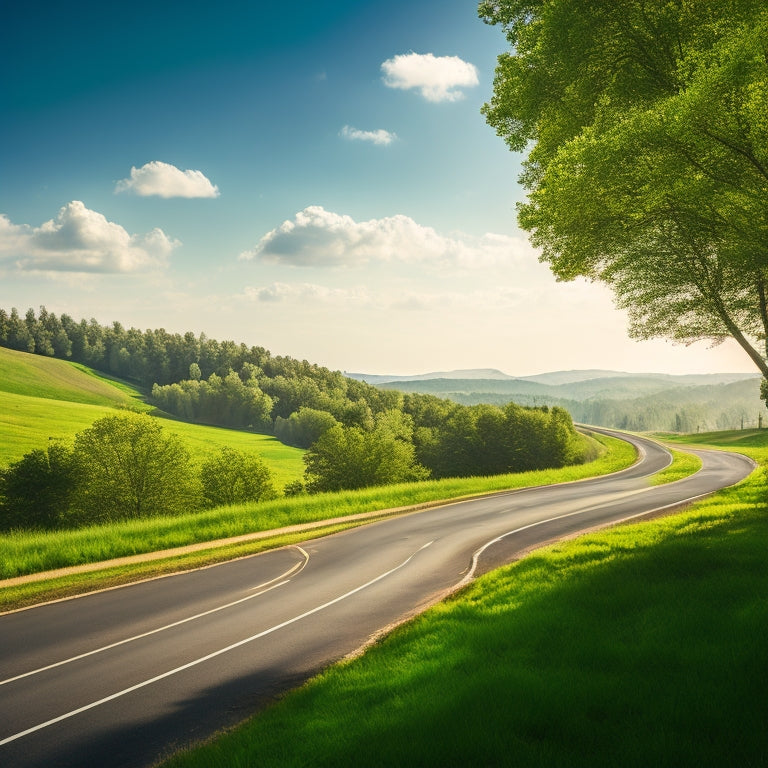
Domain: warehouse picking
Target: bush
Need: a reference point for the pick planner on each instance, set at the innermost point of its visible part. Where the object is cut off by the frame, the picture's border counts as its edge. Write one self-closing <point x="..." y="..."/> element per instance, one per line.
<point x="36" y="491"/>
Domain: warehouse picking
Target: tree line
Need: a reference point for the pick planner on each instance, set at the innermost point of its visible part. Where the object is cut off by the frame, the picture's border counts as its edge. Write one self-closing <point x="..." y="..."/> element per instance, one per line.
<point x="356" y="434"/>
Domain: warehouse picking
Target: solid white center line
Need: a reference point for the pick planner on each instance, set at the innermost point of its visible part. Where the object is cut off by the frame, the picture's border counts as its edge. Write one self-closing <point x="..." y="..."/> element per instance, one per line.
<point x="210" y="656"/>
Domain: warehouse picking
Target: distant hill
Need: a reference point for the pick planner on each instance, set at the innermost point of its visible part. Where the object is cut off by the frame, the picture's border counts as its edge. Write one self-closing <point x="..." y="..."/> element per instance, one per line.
<point x="470" y="373"/>
<point x="472" y="378"/>
<point x="570" y="377"/>
<point x="634" y="401"/>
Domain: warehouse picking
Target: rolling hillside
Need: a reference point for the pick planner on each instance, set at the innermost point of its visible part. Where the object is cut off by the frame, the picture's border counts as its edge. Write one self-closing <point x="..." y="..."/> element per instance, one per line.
<point x="42" y="398"/>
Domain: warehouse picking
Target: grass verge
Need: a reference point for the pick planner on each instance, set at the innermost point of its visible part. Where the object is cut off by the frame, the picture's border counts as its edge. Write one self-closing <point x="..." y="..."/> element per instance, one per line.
<point x="36" y="592"/>
<point x="641" y="645"/>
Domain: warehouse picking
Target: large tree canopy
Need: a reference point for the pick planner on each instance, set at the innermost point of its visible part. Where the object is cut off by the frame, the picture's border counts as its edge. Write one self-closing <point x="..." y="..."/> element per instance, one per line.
<point x="646" y="123"/>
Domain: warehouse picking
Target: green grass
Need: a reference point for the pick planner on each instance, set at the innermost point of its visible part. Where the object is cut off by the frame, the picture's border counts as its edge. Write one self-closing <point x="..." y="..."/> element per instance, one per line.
<point x="27" y="423"/>
<point x="748" y="441"/>
<point x="683" y="464"/>
<point x="42" y="398"/>
<point x="285" y="462"/>
<point x="640" y="645"/>
<point x="44" y="377"/>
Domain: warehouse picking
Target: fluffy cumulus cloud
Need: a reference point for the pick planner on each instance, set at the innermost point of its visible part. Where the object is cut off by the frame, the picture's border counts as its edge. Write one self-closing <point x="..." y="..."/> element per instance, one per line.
<point x="165" y="180"/>
<point x="438" y="78"/>
<point x="82" y="240"/>
<point x="380" y="136"/>
<point x="319" y="238"/>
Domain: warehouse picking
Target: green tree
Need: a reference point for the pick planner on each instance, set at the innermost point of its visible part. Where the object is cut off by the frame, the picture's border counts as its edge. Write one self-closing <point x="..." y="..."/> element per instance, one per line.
<point x="234" y="477"/>
<point x="303" y="427"/>
<point x="130" y="469"/>
<point x="647" y="128"/>
<point x="36" y="491"/>
<point x="352" y="457"/>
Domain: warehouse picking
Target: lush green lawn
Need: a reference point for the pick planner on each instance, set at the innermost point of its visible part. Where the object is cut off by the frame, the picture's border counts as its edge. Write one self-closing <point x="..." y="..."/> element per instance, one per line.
<point x="644" y="645"/>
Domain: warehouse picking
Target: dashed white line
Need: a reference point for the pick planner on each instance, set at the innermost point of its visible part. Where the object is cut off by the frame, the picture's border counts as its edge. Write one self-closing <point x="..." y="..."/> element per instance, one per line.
<point x="210" y="656"/>
<point x="264" y="588"/>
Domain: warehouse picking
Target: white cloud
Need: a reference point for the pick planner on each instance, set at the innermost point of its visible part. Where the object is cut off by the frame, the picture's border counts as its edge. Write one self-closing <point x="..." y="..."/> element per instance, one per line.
<point x="82" y="240"/>
<point x="319" y="238"/>
<point x="165" y="180"/>
<point x="437" y="77"/>
<point x="380" y="136"/>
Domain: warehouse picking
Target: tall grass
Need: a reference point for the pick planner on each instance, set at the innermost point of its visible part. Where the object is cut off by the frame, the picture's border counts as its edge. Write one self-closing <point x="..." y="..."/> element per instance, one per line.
<point x="641" y="645"/>
<point x="26" y="552"/>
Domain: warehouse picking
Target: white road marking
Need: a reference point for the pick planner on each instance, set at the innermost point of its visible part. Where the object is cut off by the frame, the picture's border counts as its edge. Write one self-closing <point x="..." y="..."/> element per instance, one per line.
<point x="210" y="656"/>
<point x="479" y="552"/>
<point x="265" y="587"/>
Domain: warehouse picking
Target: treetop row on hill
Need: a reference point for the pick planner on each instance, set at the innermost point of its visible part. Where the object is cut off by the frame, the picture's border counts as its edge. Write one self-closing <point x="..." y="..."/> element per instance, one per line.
<point x="359" y="434"/>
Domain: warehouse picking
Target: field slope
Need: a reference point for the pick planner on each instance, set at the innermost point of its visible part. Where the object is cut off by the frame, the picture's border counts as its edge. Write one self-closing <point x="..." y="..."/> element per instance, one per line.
<point x="42" y="398"/>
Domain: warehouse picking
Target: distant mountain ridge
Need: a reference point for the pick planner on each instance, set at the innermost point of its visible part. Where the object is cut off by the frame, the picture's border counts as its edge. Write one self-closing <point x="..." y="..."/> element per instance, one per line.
<point x="470" y="373"/>
<point x="553" y="378"/>
<point x="634" y="401"/>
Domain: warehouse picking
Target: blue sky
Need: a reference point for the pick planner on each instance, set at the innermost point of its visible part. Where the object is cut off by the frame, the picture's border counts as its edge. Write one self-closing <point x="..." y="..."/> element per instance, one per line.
<point x="319" y="182"/>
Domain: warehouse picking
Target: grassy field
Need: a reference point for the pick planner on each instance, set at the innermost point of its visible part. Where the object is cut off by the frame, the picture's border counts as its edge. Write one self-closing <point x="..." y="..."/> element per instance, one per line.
<point x="42" y="398"/>
<point x="36" y="376"/>
<point x="641" y="645"/>
<point x="683" y="465"/>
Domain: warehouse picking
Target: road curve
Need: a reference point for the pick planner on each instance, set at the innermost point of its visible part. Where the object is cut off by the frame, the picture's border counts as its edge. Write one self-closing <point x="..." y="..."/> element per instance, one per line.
<point x="126" y="676"/>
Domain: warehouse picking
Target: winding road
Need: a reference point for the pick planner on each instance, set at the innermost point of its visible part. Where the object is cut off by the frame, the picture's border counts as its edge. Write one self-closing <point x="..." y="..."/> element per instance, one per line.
<point x="126" y="676"/>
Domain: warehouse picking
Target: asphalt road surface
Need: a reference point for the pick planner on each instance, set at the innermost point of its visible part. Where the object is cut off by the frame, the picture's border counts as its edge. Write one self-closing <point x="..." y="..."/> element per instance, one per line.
<point x="125" y="676"/>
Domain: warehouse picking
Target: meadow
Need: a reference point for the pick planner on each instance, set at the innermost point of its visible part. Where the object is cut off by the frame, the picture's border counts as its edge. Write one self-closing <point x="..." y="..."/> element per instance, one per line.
<point x="641" y="645"/>
<point x="44" y="399"/>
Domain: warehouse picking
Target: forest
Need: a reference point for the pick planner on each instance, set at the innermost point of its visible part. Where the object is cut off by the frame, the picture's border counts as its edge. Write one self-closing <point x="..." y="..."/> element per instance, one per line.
<point x="355" y="434"/>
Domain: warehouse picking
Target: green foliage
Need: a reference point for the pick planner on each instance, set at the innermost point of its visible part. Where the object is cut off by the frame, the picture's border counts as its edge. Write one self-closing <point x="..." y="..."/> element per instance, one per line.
<point x="303" y="427"/>
<point x="36" y="491"/>
<point x="296" y="488"/>
<point x="228" y="401"/>
<point x="351" y="457"/>
<point x="648" y="163"/>
<point x="130" y="469"/>
<point x="459" y="441"/>
<point x="233" y="477"/>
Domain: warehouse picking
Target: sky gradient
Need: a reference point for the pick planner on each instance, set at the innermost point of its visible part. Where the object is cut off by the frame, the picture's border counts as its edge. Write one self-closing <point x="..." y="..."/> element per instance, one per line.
<point x="318" y="182"/>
